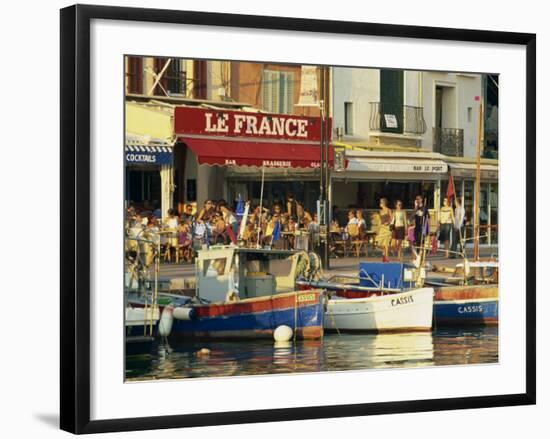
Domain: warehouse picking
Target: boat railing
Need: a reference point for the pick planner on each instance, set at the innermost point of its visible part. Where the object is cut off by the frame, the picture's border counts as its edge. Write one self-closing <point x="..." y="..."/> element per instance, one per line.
<point x="381" y="288"/>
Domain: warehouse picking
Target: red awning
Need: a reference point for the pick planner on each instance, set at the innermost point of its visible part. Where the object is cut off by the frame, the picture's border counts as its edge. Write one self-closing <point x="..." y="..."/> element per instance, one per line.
<point x="245" y="153"/>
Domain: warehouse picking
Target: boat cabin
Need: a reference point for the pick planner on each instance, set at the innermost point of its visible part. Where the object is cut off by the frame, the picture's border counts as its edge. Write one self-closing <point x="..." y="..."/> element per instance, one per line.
<point x="222" y="271"/>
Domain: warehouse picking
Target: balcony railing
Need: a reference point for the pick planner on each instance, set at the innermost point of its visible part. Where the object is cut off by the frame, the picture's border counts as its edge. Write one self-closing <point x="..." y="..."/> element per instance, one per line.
<point x="449" y="141"/>
<point x="402" y="119"/>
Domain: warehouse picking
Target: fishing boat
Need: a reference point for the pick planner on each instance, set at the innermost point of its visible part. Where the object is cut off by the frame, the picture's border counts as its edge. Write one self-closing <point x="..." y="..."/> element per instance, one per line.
<point x="242" y="293"/>
<point x="408" y="311"/>
<point x="384" y="297"/>
<point x="469" y="296"/>
<point x="252" y="318"/>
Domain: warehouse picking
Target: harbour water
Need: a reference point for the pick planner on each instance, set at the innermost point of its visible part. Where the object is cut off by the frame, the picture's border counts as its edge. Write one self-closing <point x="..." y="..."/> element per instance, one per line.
<point x="336" y="352"/>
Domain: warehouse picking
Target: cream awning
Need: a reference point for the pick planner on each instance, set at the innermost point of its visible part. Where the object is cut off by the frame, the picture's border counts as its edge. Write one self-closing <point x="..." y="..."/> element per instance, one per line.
<point x="396" y="165"/>
<point x="149" y="121"/>
<point x="468" y="170"/>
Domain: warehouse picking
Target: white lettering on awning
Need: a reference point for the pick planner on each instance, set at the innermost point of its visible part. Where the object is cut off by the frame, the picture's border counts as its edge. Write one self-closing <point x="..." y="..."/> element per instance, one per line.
<point x="363" y="165"/>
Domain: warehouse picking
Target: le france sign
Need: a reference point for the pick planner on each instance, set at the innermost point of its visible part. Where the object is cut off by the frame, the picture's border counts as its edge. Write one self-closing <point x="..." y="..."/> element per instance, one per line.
<point x="212" y="122"/>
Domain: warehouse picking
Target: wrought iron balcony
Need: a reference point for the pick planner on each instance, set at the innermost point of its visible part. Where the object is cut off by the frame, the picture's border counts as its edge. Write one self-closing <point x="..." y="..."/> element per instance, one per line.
<point x="401" y="119"/>
<point x="449" y="141"/>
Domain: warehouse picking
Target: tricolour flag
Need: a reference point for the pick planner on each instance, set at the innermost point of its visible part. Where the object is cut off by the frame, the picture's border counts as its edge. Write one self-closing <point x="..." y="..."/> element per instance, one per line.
<point x="276" y="234"/>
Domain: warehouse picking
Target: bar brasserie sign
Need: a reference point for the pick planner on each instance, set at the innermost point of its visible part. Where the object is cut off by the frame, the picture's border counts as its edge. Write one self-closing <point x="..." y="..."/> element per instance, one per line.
<point x="211" y="122"/>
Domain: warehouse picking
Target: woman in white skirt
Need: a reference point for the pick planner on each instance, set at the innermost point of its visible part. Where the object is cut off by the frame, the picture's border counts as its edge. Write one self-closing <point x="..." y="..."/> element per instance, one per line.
<point x="446" y="221"/>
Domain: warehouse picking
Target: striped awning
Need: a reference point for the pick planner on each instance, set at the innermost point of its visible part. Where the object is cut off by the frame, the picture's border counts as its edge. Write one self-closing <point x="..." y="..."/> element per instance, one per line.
<point x="148" y="154"/>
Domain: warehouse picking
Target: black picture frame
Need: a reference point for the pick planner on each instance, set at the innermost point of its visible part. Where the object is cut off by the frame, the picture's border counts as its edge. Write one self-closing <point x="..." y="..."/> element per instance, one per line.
<point x="75" y="217"/>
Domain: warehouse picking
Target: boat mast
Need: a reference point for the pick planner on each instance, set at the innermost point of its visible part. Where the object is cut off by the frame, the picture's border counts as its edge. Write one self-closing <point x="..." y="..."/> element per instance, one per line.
<point x="478" y="182"/>
<point x="258" y="245"/>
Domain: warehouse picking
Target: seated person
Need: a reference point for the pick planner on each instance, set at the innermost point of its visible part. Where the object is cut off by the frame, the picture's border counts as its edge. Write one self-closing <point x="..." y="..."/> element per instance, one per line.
<point x="250" y="234"/>
<point x="306" y="219"/>
<point x="334" y="226"/>
<point x="361" y="222"/>
<point x="185" y="240"/>
<point x="219" y="235"/>
<point x="352" y="219"/>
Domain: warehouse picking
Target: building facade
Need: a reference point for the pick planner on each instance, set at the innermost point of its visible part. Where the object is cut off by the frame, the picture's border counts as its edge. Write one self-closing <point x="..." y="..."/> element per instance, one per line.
<point x="231" y="90"/>
<point x="403" y="133"/>
<point x="399" y="134"/>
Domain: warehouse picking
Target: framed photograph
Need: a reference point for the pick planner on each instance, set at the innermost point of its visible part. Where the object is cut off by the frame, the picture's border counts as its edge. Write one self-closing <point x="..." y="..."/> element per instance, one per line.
<point x="274" y="218"/>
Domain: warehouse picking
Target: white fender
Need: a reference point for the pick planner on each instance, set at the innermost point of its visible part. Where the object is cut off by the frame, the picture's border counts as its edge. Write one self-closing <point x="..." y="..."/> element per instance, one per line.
<point x="283" y="333"/>
<point x="184" y="313"/>
<point x="166" y="321"/>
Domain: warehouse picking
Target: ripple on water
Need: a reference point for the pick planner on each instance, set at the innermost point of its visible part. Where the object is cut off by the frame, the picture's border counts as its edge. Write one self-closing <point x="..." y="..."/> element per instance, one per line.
<point x="333" y="353"/>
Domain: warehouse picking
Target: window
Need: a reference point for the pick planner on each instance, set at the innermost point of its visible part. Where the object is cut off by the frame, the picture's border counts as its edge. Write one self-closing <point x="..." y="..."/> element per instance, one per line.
<point x="134" y="75"/>
<point x="348" y="118"/>
<point x="173" y="80"/>
<point x="176" y="77"/>
<point x="469" y="114"/>
<point x="158" y="65"/>
<point x="199" y="79"/>
<point x="391" y="100"/>
<point x="278" y="91"/>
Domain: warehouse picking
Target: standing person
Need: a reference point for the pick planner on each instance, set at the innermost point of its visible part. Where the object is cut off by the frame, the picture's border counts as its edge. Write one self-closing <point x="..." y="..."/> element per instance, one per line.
<point x="446" y="221"/>
<point x="384" y="232"/>
<point x="335" y="214"/>
<point x="411" y="238"/>
<point x="290" y="227"/>
<point x="421" y="221"/>
<point x="399" y="223"/>
<point x="458" y="227"/>
<point x="276" y="209"/>
<point x="230" y="220"/>
<point x="292" y="206"/>
<point x="313" y="229"/>
<point x="306" y="219"/>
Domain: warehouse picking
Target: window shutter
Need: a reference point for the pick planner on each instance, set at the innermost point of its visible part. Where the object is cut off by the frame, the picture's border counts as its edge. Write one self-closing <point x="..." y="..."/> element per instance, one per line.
<point x="391" y="98"/>
<point x="135" y="75"/>
<point x="278" y="91"/>
<point x="275" y="87"/>
<point x="266" y="91"/>
<point x="288" y="93"/>
<point x="271" y="91"/>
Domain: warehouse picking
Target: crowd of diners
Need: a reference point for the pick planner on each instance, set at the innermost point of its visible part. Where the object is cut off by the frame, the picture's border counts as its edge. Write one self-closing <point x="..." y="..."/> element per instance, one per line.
<point x="283" y="225"/>
<point x="279" y="226"/>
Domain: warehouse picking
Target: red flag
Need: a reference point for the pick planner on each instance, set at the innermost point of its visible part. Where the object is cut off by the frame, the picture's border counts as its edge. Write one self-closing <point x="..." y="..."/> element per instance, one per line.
<point x="450" y="188"/>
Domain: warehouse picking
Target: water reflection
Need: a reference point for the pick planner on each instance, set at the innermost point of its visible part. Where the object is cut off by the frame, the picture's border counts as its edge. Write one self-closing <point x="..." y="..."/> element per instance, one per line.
<point x="333" y="353"/>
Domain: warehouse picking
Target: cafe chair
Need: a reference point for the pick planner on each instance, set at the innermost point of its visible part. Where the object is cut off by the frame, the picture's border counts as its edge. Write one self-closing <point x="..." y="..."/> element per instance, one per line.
<point x="355" y="240"/>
